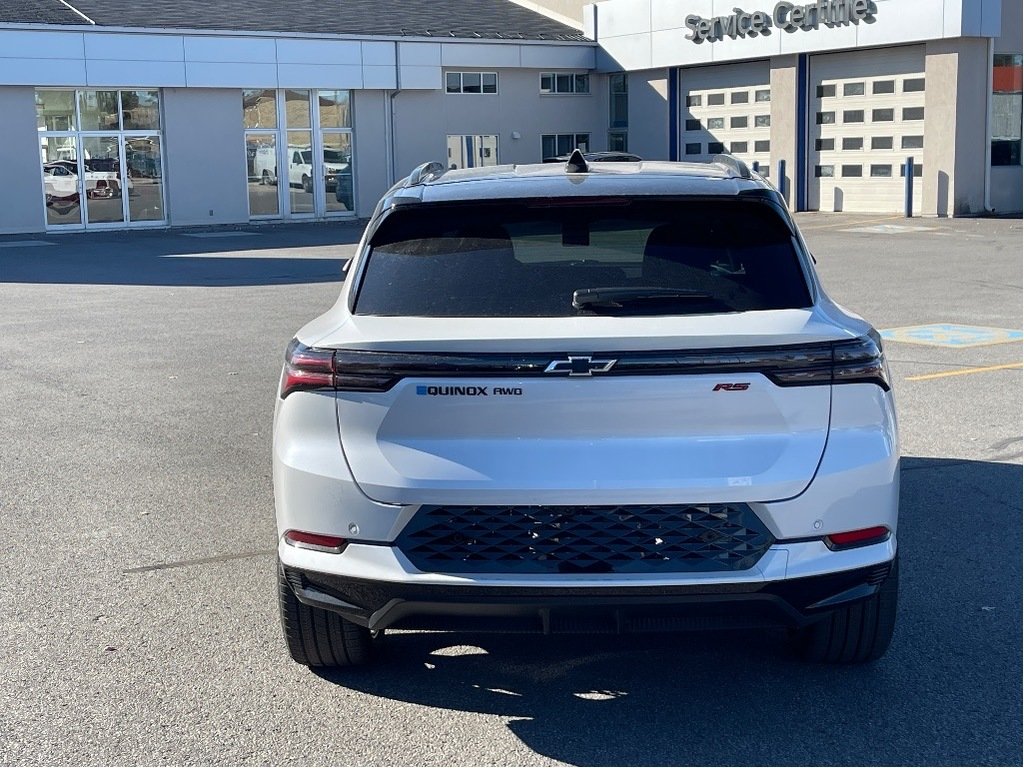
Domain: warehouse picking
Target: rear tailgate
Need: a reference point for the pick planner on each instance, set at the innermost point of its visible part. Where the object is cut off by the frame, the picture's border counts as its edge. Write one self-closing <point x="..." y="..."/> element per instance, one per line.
<point x="719" y="433"/>
<point x="589" y="440"/>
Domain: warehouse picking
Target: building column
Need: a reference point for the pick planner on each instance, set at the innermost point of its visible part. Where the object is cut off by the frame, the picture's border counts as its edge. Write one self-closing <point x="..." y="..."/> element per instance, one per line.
<point x="21" y="195"/>
<point x="784" y="84"/>
<point x="204" y="156"/>
<point x="955" y="141"/>
<point x="648" y="114"/>
<point x="371" y="134"/>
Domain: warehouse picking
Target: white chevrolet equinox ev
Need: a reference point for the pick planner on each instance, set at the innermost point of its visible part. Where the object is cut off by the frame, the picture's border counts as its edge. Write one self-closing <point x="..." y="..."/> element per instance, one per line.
<point x="585" y="398"/>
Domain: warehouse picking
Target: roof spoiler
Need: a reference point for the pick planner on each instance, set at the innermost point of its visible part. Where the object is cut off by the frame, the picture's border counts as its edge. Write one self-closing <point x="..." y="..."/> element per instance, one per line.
<point x="736" y="169"/>
<point x="576" y="163"/>
<point x="421" y="174"/>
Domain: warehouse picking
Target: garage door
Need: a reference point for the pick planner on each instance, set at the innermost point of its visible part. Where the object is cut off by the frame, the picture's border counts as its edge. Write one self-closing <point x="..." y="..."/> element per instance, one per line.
<point x="726" y="109"/>
<point x="866" y="118"/>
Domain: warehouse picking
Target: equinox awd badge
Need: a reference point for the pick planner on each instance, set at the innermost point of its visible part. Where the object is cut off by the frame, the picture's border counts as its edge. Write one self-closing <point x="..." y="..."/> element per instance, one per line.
<point x="580" y="366"/>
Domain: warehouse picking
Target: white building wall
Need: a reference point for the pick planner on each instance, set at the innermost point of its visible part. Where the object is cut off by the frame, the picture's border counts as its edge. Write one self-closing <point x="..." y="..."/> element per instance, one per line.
<point x="423" y="119"/>
<point x="21" y="193"/>
<point x="641" y="34"/>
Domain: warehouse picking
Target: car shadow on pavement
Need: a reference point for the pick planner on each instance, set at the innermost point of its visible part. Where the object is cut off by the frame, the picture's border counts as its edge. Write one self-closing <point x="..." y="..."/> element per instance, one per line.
<point x="270" y="256"/>
<point x="947" y="693"/>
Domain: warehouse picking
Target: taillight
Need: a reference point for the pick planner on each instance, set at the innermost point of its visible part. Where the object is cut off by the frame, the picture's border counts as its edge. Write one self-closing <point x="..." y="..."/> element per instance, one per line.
<point x="860" y="360"/>
<point x="856" y="361"/>
<point x="306" y="368"/>
<point x="315" y="541"/>
<point x="859" y="538"/>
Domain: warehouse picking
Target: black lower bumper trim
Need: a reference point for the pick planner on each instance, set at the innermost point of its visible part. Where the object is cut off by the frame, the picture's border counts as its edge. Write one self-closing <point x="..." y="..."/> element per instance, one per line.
<point x="618" y="609"/>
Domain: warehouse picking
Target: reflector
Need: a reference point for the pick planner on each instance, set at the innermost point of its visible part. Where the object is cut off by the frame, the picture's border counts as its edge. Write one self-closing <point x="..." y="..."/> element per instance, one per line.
<point x="858" y="538"/>
<point x="317" y="541"/>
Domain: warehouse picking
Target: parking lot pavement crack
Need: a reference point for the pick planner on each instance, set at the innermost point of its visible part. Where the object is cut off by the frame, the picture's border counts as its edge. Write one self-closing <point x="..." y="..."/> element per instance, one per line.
<point x="199" y="561"/>
<point x="997" y="286"/>
<point x="998" y="446"/>
<point x="1006" y="456"/>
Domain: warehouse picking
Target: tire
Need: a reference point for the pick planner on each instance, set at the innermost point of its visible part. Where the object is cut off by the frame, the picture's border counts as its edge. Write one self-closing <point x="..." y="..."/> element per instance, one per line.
<point x="307" y="184"/>
<point x="856" y="633"/>
<point x="319" y="638"/>
<point x="265" y="178"/>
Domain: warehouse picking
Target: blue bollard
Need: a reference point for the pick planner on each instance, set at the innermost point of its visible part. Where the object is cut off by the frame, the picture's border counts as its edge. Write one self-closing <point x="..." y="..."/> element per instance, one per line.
<point x="908" y="188"/>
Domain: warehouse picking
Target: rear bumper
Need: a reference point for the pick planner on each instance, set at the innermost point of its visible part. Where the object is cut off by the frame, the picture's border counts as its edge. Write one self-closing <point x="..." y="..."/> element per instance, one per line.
<point x="855" y="485"/>
<point x="605" y="609"/>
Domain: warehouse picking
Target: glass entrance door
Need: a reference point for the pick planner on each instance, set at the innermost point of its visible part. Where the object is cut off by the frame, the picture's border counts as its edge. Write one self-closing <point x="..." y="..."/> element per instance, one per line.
<point x="122" y="179"/>
<point x="61" y="181"/>
<point x="301" y="173"/>
<point x="103" y="179"/>
<point x="144" y="180"/>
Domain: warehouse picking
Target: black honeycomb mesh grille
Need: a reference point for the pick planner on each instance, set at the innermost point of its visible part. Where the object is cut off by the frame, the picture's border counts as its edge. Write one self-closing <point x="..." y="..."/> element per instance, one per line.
<point x="563" y="539"/>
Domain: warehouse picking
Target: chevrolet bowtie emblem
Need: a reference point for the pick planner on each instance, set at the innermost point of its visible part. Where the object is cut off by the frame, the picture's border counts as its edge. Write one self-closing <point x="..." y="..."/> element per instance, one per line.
<point x="580" y="366"/>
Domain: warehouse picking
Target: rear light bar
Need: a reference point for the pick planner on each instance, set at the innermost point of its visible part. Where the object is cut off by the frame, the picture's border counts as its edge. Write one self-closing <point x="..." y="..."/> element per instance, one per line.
<point x="315" y="541"/>
<point x="858" y="360"/>
<point x="858" y="538"/>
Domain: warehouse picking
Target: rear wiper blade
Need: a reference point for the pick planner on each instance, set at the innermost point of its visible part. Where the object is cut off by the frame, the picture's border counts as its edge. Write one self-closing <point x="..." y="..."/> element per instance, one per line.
<point x="613" y="298"/>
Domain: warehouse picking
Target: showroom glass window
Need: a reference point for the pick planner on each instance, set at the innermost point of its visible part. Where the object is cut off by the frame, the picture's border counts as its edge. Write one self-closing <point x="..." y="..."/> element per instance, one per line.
<point x="565" y="82"/>
<point x="102" y="157"/>
<point x="554" y="144"/>
<point x="1006" y="109"/>
<point x="618" y="109"/>
<point x="298" y="145"/>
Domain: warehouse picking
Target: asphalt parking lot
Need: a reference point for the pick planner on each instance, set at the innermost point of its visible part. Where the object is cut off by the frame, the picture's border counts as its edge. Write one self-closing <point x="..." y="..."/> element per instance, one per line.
<point x="138" y="621"/>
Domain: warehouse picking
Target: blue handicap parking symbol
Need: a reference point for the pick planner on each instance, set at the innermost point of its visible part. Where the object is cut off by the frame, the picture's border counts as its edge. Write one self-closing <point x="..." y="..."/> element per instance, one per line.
<point x="951" y="335"/>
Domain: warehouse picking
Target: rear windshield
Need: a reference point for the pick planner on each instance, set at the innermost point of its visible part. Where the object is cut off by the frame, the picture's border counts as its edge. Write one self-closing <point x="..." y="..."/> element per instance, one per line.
<point x="531" y="260"/>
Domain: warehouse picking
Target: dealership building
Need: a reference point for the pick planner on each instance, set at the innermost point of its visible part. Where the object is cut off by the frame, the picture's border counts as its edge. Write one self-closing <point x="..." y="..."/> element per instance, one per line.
<point x="182" y="113"/>
<point x="831" y="98"/>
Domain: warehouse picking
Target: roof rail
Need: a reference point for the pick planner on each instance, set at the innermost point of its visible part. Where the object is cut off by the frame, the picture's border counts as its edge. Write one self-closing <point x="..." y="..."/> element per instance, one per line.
<point x="421" y="174"/>
<point x="737" y="168"/>
<point x="576" y="163"/>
